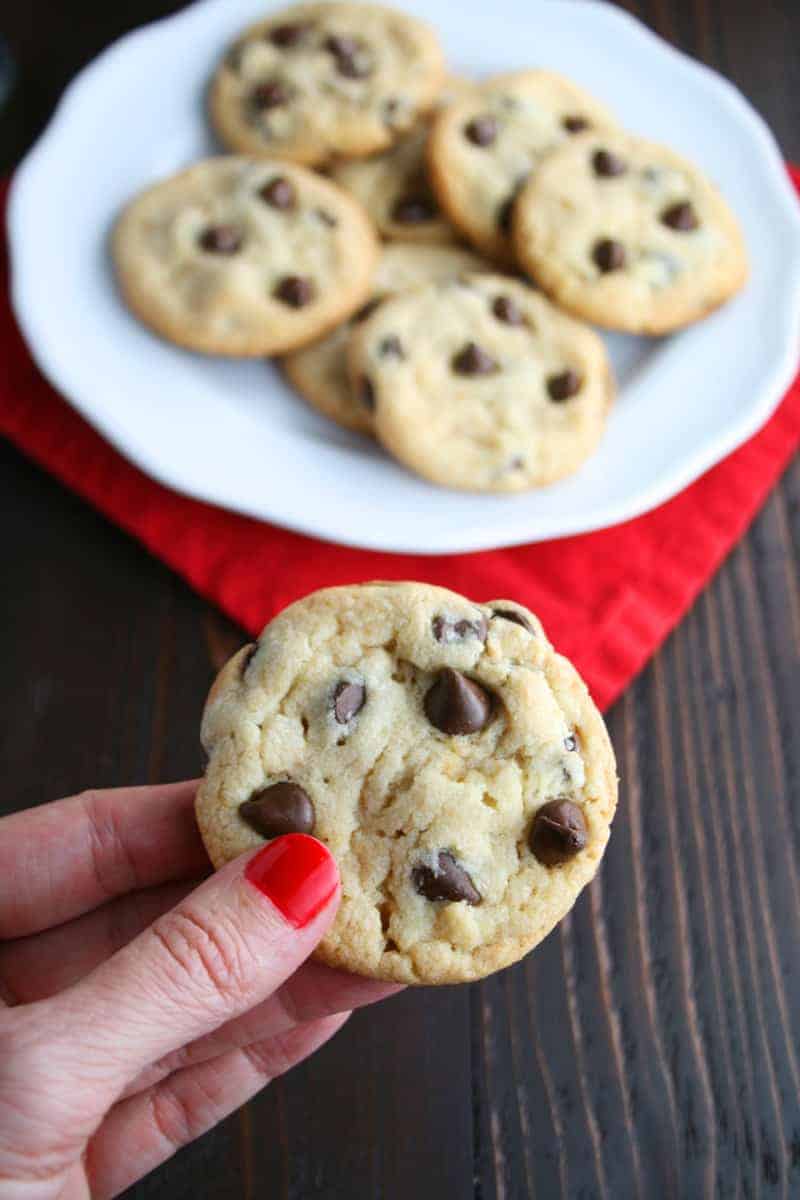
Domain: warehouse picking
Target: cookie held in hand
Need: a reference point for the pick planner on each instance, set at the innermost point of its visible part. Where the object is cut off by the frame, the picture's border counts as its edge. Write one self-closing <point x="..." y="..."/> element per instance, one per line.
<point x="454" y="764"/>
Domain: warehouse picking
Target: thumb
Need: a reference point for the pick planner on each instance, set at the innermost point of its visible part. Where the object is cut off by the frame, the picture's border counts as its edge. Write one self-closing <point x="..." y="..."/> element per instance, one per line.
<point x="226" y="947"/>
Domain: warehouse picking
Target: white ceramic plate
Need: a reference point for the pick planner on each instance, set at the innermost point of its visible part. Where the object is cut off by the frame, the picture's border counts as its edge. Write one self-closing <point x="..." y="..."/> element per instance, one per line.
<point x="234" y="434"/>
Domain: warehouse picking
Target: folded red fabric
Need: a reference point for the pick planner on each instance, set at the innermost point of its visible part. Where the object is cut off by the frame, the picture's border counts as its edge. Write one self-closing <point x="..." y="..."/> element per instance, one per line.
<point x="607" y="599"/>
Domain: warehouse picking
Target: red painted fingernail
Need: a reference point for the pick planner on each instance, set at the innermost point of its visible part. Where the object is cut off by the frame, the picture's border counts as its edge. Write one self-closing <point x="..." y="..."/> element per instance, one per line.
<point x="297" y="873"/>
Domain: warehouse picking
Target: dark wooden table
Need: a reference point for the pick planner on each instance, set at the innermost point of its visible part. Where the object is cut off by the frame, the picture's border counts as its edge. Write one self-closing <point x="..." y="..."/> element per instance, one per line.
<point x="651" y="1047"/>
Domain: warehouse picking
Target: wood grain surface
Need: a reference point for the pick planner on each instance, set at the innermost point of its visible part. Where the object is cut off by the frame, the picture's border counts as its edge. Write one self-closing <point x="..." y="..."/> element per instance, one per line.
<point x="651" y="1046"/>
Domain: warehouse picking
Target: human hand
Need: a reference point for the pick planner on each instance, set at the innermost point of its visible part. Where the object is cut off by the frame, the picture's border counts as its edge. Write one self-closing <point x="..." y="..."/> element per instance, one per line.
<point x="138" y="1009"/>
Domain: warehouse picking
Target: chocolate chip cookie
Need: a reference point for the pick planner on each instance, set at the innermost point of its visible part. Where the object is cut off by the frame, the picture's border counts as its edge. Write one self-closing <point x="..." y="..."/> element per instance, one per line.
<point x="240" y="257"/>
<point x="319" y="80"/>
<point x="483" y="148"/>
<point x="393" y="187"/>
<point x="482" y="384"/>
<point x="319" y="371"/>
<point x="627" y="233"/>
<point x="451" y="760"/>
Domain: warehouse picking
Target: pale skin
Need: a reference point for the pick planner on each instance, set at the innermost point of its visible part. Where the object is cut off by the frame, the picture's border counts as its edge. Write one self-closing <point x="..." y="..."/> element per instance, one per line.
<point x="142" y="999"/>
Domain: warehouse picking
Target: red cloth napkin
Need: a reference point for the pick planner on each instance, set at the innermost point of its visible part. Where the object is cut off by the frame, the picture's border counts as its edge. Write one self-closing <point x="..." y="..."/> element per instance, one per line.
<point x="607" y="599"/>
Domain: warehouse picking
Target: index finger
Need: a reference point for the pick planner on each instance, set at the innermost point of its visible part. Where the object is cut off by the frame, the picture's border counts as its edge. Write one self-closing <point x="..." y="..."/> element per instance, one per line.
<point x="63" y="859"/>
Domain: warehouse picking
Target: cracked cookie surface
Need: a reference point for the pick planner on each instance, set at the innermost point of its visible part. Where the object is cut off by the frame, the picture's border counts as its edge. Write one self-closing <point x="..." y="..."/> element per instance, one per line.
<point x="481" y="384"/>
<point x="629" y="234"/>
<point x="244" y="258"/>
<point x="319" y="80"/>
<point x="319" y="371"/>
<point x="451" y="760"/>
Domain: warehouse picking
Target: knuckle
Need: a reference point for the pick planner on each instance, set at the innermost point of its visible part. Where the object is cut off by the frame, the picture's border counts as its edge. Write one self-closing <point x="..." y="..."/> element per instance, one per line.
<point x="209" y="955"/>
<point x="113" y="868"/>
<point x="171" y="1118"/>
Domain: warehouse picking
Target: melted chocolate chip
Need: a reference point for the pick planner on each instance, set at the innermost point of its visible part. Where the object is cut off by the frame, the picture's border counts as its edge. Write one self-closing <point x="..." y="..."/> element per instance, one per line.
<point x="570" y="742"/>
<point x="391" y="347"/>
<point x="507" y="310"/>
<point x="608" y="165"/>
<point x="564" y="385"/>
<point x="221" y="239"/>
<point x="511" y="614"/>
<point x="279" y="193"/>
<point x="608" y="255"/>
<point x="281" y="808"/>
<point x="348" y="699"/>
<point x="273" y="94"/>
<point x="456" y="705"/>
<point x="471" y="360"/>
<point x="576" y="124"/>
<point x="481" y="131"/>
<point x="446" y="881"/>
<point x="288" y="35"/>
<point x="366" y="393"/>
<point x="413" y="210"/>
<point x="558" y="832"/>
<point x="446" y="629"/>
<point x="295" y="290"/>
<point x="680" y="217"/>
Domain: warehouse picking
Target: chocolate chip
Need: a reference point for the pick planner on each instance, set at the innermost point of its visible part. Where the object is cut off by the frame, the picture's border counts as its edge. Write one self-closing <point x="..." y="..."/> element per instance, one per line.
<point x="327" y="218"/>
<point x="558" y="832"/>
<point x="511" y="614"/>
<point x="570" y="742"/>
<point x="471" y="360"/>
<point x="608" y="255"/>
<point x="221" y="239"/>
<point x="506" y="309"/>
<point x="353" y="68"/>
<point x="680" y="217"/>
<point x="576" y="124"/>
<point x="563" y="386"/>
<point x="345" y="50"/>
<point x="288" y="35"/>
<point x="446" y="629"/>
<point x="280" y="193"/>
<point x="391" y="347"/>
<point x="457" y="705"/>
<point x="481" y="131"/>
<point x="608" y="165"/>
<point x="348" y="699"/>
<point x="281" y="808"/>
<point x="366" y="393"/>
<point x="413" y="210"/>
<point x="368" y="309"/>
<point x="446" y="881"/>
<point x="270" y="95"/>
<point x="295" y="290"/>
<point x="341" y="44"/>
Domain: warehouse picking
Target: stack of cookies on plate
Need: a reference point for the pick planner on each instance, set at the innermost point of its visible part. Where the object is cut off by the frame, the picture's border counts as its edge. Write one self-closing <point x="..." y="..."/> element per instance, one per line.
<point x="423" y="250"/>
